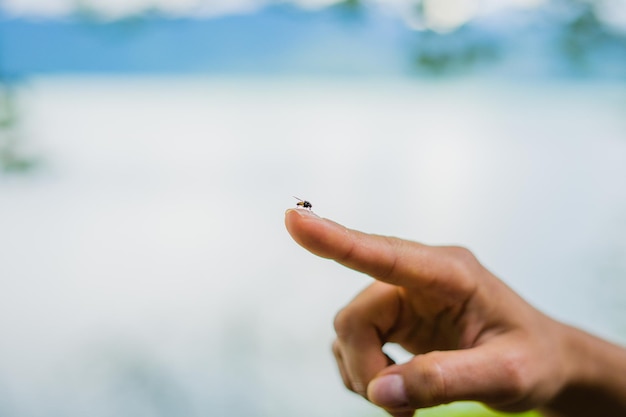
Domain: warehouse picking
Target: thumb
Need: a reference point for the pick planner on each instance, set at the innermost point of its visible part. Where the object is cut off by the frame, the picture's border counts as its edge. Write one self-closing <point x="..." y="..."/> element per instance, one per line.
<point x="441" y="377"/>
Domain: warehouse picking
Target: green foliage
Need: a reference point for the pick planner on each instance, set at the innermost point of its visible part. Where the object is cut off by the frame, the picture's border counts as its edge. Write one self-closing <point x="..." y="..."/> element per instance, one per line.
<point x="351" y="4"/>
<point x="467" y="409"/>
<point x="575" y="33"/>
<point x="11" y="158"/>
<point x="443" y="54"/>
<point x="584" y="35"/>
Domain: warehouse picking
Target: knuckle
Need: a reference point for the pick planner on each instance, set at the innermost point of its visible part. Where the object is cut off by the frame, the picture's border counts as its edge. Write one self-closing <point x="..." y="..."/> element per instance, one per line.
<point x="389" y="271"/>
<point x="431" y="390"/>
<point x="517" y="383"/>
<point x="358" y="387"/>
<point x="463" y="258"/>
<point x="343" y="323"/>
<point x="460" y="274"/>
<point x="347" y="384"/>
<point x="464" y="265"/>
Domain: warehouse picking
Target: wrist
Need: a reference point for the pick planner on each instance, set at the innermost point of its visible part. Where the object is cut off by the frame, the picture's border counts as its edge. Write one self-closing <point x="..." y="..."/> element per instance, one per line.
<point x="595" y="382"/>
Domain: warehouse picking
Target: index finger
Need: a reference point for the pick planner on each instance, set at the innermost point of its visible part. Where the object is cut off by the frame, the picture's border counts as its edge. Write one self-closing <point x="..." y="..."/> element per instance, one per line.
<point x="387" y="259"/>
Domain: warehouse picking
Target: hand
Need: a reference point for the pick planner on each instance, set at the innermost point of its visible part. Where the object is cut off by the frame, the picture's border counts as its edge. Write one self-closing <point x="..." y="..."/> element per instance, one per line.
<point x="473" y="337"/>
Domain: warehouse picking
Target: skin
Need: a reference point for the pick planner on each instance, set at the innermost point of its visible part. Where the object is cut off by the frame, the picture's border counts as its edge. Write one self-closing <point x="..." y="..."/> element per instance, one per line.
<point x="472" y="337"/>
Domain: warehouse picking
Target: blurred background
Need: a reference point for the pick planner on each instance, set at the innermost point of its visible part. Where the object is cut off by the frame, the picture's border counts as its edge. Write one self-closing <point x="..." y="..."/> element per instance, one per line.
<point x="149" y="148"/>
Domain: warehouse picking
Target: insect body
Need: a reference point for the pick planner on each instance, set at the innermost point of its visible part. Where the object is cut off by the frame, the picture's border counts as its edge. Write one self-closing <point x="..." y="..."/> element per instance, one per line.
<point x="303" y="203"/>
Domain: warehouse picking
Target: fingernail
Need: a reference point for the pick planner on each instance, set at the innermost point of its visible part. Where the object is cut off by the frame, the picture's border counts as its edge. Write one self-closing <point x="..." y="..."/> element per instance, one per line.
<point x="388" y="391"/>
<point x="304" y="212"/>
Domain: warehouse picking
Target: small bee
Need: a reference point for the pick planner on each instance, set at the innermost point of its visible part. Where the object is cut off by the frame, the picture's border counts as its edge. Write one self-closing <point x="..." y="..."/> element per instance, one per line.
<point x="303" y="203"/>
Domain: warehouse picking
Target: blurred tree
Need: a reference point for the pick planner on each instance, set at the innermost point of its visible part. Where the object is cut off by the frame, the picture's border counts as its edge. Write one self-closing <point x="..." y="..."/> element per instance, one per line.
<point x="583" y="42"/>
<point x="351" y="4"/>
<point x="448" y="53"/>
<point x="453" y="52"/>
<point x="585" y="38"/>
<point x="349" y="10"/>
<point x="11" y="159"/>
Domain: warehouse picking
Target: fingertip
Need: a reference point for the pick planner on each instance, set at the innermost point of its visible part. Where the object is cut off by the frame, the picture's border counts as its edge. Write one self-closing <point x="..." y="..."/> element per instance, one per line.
<point x="296" y="222"/>
<point x="318" y="235"/>
<point x="363" y="252"/>
<point x="388" y="391"/>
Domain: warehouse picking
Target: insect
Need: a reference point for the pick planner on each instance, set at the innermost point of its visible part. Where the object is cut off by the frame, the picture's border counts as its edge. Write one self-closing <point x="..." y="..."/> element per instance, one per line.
<point x="303" y="203"/>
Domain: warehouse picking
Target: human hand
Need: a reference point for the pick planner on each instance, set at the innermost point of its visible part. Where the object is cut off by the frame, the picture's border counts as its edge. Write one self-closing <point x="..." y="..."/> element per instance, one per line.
<point x="473" y="337"/>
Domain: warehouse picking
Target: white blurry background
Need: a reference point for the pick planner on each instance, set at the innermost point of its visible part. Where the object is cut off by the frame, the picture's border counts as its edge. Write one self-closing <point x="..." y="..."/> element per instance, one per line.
<point x="145" y="269"/>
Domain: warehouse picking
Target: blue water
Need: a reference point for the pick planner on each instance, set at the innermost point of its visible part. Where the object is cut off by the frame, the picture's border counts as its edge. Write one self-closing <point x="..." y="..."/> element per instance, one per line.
<point x="285" y="40"/>
<point x="276" y="40"/>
